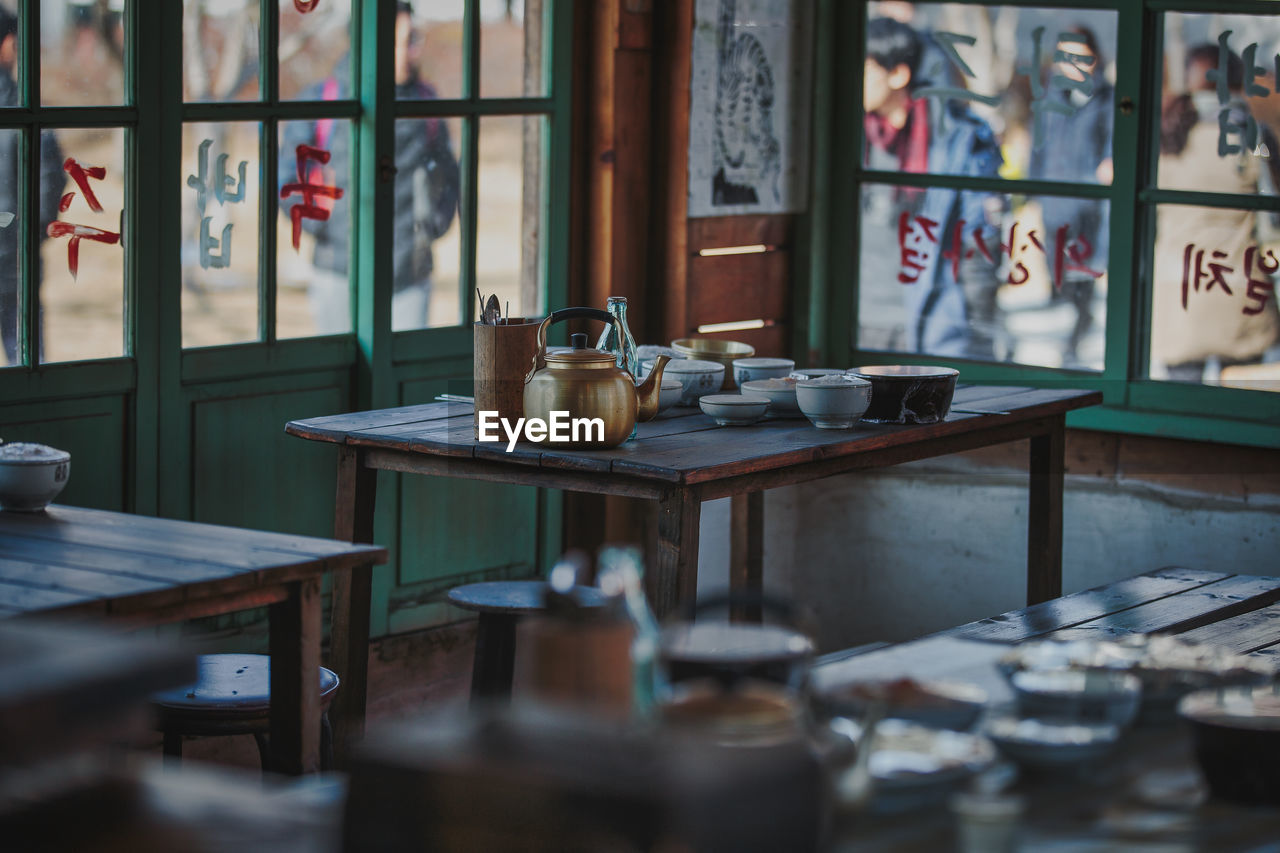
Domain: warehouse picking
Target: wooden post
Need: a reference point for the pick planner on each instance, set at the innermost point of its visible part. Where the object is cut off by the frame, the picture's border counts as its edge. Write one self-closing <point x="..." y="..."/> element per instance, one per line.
<point x="674" y="577"/>
<point x="1044" y="514"/>
<point x="295" y="630"/>
<point x="352" y="600"/>
<point x="746" y="551"/>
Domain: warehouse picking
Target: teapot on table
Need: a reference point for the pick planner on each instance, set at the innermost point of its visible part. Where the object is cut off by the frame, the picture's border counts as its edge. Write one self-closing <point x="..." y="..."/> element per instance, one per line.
<point x="588" y="384"/>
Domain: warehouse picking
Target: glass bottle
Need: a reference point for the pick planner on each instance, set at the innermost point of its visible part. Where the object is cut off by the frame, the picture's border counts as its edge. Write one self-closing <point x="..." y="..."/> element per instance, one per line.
<point x="619" y="577"/>
<point x="625" y="351"/>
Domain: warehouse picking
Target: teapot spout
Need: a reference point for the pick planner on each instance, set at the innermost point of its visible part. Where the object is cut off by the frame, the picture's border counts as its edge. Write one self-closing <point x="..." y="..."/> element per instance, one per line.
<point x="647" y="391"/>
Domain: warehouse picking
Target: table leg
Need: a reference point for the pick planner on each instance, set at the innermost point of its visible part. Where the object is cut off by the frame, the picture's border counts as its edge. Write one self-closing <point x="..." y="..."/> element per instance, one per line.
<point x="746" y="551"/>
<point x="495" y="660"/>
<point x="674" y="578"/>
<point x="1044" y="515"/>
<point x="352" y="598"/>
<point x="295" y="630"/>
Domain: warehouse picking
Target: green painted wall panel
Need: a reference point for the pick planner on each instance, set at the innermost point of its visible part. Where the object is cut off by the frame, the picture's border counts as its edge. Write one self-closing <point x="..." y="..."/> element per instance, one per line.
<point x="92" y="430"/>
<point x="247" y="472"/>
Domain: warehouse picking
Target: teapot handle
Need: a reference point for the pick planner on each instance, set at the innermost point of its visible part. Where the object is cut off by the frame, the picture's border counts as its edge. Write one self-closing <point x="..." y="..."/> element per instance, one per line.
<point x="600" y="314"/>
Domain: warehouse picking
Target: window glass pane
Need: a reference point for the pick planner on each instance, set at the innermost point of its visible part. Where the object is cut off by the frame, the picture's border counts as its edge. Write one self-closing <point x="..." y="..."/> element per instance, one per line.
<point x="429" y="50"/>
<point x="1213" y="305"/>
<point x="81" y="52"/>
<point x="10" y="236"/>
<point x="967" y="89"/>
<point x="220" y="198"/>
<point x="82" y="181"/>
<point x="9" y="59"/>
<point x="313" y="231"/>
<point x="315" y="49"/>
<point x="511" y="49"/>
<point x="220" y="50"/>
<point x="1220" y="115"/>
<point x="426" y="226"/>
<point x="985" y="276"/>
<point x="509" y="225"/>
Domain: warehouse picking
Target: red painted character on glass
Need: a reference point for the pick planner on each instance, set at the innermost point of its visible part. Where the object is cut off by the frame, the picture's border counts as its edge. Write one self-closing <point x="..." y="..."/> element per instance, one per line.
<point x="305" y="6"/>
<point x="309" y="208"/>
<point x="81" y="175"/>
<point x="1262" y="288"/>
<point x="1193" y="275"/>
<point x="913" y="260"/>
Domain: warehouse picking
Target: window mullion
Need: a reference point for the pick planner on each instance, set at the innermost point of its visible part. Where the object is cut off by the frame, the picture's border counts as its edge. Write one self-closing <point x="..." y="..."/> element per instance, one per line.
<point x="268" y="141"/>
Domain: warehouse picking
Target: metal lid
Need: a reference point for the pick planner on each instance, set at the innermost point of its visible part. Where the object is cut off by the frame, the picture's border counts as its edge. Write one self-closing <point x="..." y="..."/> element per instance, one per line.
<point x="580" y="355"/>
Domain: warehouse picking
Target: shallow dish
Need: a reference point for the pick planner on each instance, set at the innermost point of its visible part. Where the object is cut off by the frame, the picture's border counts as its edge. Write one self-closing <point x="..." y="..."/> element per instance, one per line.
<point x="714" y="349"/>
<point x="734" y="409"/>
<point x="937" y="704"/>
<point x="816" y="372"/>
<point x="908" y="393"/>
<point x="1237" y="741"/>
<point x="748" y="369"/>
<point x="669" y="393"/>
<point x="781" y="394"/>
<point x="31" y="475"/>
<point x="1045" y="742"/>
<point x="913" y="766"/>
<point x="1096" y="696"/>
<point x="697" y="377"/>
<point x="833" y="402"/>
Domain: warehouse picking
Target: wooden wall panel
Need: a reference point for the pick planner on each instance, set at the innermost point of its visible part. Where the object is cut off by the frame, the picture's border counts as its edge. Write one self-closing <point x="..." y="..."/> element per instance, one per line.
<point x="739" y="287"/>
<point x="93" y="430"/>
<point x="247" y="473"/>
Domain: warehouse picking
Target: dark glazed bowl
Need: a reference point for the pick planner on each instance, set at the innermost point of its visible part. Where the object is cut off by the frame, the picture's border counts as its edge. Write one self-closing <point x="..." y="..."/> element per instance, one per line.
<point x="908" y="393"/>
<point x="1237" y="741"/>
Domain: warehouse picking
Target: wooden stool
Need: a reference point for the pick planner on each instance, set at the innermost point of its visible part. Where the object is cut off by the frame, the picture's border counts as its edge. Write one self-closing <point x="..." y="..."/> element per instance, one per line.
<point x="232" y="696"/>
<point x="500" y="605"/>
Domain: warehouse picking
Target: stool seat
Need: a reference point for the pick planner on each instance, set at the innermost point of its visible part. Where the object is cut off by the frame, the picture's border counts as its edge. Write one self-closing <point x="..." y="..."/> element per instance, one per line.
<point x="238" y="685"/>
<point x="517" y="598"/>
<point x="500" y="605"/>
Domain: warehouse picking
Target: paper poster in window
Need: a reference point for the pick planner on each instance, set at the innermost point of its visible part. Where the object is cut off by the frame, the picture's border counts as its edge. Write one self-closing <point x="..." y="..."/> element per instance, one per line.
<point x="749" y="107"/>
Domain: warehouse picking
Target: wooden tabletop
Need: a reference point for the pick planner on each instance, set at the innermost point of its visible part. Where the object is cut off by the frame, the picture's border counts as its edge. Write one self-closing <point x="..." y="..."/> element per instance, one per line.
<point x="684" y="446"/>
<point x="1116" y="805"/>
<point x="97" y="563"/>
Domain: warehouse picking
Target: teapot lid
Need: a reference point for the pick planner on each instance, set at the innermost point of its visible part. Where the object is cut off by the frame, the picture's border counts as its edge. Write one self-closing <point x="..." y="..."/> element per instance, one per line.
<point x="580" y="356"/>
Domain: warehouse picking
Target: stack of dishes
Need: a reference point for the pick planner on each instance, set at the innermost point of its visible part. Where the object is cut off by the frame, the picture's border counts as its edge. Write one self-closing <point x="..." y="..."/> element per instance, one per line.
<point x="714" y="349"/>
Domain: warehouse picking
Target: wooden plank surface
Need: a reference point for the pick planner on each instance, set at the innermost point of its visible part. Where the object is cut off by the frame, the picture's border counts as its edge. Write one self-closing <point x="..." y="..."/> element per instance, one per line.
<point x="688" y="448"/>
<point x="1081" y="607"/>
<point x="1248" y="632"/>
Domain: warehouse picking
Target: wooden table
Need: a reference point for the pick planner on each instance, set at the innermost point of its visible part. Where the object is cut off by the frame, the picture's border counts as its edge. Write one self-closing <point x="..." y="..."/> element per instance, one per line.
<point x="1112" y="808"/>
<point x="135" y="571"/>
<point x="682" y="458"/>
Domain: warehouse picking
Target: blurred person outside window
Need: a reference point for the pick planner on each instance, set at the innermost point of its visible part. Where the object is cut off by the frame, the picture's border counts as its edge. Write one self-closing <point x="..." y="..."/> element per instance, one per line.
<point x="426" y="194"/>
<point x="951" y="307"/>
<point x="1076" y="147"/>
<point x="51" y="184"/>
<point x="1194" y="317"/>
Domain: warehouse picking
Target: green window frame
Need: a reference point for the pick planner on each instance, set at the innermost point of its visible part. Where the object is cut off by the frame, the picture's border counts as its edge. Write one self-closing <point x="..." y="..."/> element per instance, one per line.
<point x="1132" y="402"/>
<point x="154" y="360"/>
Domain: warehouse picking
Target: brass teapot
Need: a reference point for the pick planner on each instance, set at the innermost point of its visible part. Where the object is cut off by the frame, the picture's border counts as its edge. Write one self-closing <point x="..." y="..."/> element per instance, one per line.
<point x="602" y="399"/>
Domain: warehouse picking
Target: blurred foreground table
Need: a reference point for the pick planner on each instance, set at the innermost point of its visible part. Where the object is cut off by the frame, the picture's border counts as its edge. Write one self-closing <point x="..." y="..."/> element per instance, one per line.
<point x="1148" y="794"/>
<point x="681" y="459"/>
<point x="132" y="571"/>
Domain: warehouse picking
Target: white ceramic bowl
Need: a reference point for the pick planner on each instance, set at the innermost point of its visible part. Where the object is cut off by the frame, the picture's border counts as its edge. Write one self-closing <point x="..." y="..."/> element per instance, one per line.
<point x="1095" y="696"/>
<point x="698" y="377"/>
<point x="750" y="369"/>
<point x="669" y="393"/>
<point x="781" y="394"/>
<point x="31" y="475"/>
<point x="734" y="409"/>
<point x="1050" y="743"/>
<point x="833" y="402"/>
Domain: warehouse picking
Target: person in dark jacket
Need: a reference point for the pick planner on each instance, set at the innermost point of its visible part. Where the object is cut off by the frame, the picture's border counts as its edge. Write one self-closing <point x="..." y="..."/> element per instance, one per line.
<point x="949" y="290"/>
<point x="426" y="195"/>
<point x="52" y="179"/>
<point x="1074" y="145"/>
